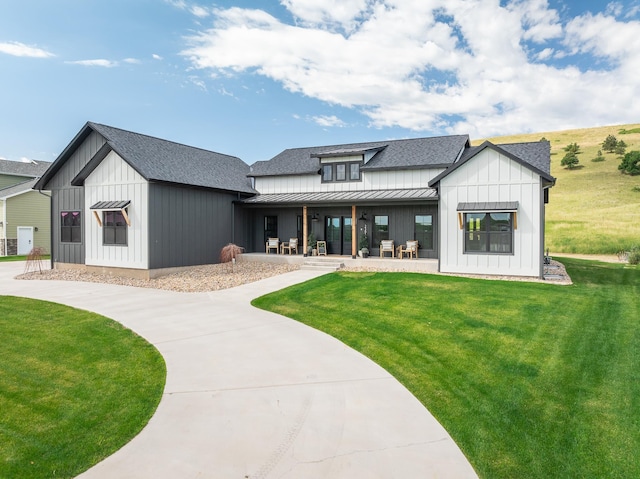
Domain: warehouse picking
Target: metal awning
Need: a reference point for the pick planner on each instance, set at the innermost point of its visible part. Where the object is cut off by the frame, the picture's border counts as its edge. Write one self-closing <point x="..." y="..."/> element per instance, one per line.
<point x="344" y="197"/>
<point x="111" y="206"/>
<point x="506" y="206"/>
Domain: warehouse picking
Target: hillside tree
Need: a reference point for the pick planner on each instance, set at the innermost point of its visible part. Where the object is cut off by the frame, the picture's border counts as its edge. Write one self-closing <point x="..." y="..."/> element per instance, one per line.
<point x="609" y="144"/>
<point x="572" y="148"/>
<point x="599" y="156"/>
<point x="570" y="160"/>
<point x="620" y="149"/>
<point x="630" y="163"/>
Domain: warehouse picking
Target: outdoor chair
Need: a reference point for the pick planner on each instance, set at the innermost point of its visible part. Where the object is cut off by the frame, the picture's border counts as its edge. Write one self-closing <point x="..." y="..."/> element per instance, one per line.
<point x="410" y="249"/>
<point x="386" y="246"/>
<point x="289" y="246"/>
<point x="272" y="243"/>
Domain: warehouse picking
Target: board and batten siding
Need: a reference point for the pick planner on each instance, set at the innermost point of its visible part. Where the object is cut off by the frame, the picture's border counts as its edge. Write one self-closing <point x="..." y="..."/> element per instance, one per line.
<point x="371" y="180"/>
<point x="490" y="177"/>
<point x="188" y="226"/>
<point x="114" y="180"/>
<point x="70" y="198"/>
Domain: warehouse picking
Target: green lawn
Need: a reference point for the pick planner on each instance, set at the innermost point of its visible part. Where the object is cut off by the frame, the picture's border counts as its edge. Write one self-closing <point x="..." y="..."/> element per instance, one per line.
<point x="21" y="258"/>
<point x="531" y="380"/>
<point x="74" y="388"/>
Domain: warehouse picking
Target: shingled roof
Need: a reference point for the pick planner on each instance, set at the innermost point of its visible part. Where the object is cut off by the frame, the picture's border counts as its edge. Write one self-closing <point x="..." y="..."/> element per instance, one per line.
<point x="18" y="189"/>
<point x="30" y="169"/>
<point x="163" y="161"/>
<point x="534" y="155"/>
<point x="405" y="154"/>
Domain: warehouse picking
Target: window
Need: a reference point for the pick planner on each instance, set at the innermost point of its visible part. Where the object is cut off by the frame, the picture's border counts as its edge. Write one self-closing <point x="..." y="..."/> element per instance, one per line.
<point x="354" y="171"/>
<point x="424" y="231"/>
<point x="70" y="227"/>
<point x="114" y="228"/>
<point x="327" y="173"/>
<point x="380" y="229"/>
<point x="488" y="233"/>
<point x="270" y="227"/>
<point x="347" y="171"/>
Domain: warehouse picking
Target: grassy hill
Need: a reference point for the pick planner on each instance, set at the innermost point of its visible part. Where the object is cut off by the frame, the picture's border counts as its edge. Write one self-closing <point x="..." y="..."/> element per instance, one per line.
<point x="593" y="209"/>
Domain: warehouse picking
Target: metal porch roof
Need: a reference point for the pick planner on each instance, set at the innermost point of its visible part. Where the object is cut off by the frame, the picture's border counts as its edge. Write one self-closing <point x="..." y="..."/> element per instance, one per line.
<point x="332" y="197"/>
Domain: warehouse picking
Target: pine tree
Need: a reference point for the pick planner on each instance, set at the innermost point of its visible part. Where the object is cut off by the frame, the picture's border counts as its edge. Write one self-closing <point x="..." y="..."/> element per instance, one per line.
<point x="599" y="156"/>
<point x="570" y="160"/>
<point x="630" y="163"/>
<point x="609" y="144"/>
<point x="621" y="148"/>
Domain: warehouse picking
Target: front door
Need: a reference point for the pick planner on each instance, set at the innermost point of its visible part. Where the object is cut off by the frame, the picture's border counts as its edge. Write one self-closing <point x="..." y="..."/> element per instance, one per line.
<point x="338" y="233"/>
<point x="25" y="239"/>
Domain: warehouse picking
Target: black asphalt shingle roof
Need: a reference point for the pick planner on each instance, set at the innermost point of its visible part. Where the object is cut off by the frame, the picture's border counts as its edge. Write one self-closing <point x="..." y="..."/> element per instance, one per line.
<point x="405" y="154"/>
<point x="164" y="161"/>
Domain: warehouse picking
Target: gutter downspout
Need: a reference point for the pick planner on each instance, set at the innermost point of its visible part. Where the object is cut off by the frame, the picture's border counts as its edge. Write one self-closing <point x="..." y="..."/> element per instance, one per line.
<point x="50" y="223"/>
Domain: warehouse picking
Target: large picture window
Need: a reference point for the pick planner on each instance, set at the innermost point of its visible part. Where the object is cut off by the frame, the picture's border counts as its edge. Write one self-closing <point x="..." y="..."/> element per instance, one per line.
<point x="424" y="231"/>
<point x="488" y="233"/>
<point x="70" y="227"/>
<point x="380" y="229"/>
<point x="114" y="228"/>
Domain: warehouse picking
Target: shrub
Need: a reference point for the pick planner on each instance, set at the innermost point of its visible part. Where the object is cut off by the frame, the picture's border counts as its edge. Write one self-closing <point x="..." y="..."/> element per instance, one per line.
<point x="599" y="156"/>
<point x="634" y="255"/>
<point x="609" y="144"/>
<point x="630" y="163"/>
<point x="570" y="160"/>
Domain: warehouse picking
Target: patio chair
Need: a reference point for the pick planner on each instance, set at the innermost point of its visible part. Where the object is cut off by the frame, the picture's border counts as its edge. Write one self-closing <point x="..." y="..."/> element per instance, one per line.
<point x="290" y="245"/>
<point x="272" y="243"/>
<point x="411" y="249"/>
<point x="386" y="246"/>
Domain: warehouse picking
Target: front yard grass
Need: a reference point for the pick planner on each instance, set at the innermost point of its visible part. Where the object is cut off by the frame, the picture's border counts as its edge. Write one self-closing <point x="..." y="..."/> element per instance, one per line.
<point x="531" y="380"/>
<point x="74" y="388"/>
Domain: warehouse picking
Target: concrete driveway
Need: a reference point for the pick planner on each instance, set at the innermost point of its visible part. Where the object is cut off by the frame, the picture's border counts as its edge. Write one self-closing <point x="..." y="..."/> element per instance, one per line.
<point x="251" y="394"/>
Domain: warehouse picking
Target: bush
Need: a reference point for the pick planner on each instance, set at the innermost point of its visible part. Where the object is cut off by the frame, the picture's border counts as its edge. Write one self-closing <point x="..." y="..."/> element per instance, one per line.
<point x="570" y="160"/>
<point x="630" y="163"/>
<point x="609" y="144"/>
<point x="599" y="156"/>
<point x="634" y="255"/>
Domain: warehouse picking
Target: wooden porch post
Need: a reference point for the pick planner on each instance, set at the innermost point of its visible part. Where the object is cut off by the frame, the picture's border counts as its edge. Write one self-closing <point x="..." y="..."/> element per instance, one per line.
<point x="305" y="237"/>
<point x="354" y="234"/>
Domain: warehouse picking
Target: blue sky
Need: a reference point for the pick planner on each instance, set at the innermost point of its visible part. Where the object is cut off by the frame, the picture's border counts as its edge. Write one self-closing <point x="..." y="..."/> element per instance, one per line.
<point x="251" y="78"/>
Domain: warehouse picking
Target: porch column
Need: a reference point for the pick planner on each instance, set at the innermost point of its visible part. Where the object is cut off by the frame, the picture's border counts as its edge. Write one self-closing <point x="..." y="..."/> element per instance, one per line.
<point x="305" y="237"/>
<point x="354" y="234"/>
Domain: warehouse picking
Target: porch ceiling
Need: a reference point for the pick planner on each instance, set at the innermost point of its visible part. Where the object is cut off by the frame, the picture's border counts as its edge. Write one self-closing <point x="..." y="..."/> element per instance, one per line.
<point x="345" y="197"/>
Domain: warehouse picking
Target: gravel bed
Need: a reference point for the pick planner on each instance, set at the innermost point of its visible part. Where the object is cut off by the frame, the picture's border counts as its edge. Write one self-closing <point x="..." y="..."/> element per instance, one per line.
<point x="197" y="279"/>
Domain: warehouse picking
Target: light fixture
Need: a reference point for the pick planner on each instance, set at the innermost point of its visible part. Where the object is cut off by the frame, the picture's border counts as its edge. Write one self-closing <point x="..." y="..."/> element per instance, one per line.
<point x="363" y="216"/>
<point x="35" y="229"/>
<point x="315" y="217"/>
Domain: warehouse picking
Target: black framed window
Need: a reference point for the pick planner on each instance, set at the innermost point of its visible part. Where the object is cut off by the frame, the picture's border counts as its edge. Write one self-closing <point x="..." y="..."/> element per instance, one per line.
<point x="488" y="232"/>
<point x="380" y="229"/>
<point x="114" y="228"/>
<point x="347" y="171"/>
<point x="354" y="171"/>
<point x="270" y="227"/>
<point x="327" y="173"/>
<point x="70" y="226"/>
<point x="423" y="231"/>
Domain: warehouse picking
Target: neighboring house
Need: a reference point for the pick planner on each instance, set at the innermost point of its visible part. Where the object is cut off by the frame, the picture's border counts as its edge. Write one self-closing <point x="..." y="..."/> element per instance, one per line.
<point x="141" y="204"/>
<point x="24" y="214"/>
<point x="129" y="201"/>
<point x="476" y="209"/>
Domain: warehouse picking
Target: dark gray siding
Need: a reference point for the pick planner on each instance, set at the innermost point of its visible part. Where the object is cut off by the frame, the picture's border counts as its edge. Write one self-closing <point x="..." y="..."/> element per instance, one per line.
<point x="70" y="198"/>
<point x="401" y="223"/>
<point x="188" y="226"/>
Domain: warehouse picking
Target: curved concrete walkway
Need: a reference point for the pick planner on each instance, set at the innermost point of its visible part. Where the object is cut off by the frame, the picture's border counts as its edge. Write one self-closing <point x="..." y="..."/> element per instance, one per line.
<point x="252" y="394"/>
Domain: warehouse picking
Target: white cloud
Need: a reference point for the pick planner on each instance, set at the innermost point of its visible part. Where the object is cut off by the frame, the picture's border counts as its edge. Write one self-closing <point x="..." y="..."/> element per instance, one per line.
<point x="446" y="65"/>
<point x="18" y="49"/>
<point x="199" y="11"/>
<point x="99" y="62"/>
<point x="132" y="61"/>
<point x="332" y="120"/>
<point x="155" y="56"/>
